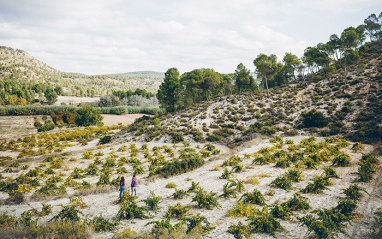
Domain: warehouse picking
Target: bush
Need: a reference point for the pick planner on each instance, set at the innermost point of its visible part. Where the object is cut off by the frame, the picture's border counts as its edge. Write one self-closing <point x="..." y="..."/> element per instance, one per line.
<point x="256" y="197"/>
<point x="152" y="201"/>
<point x="314" y="118"/>
<point x="198" y="221"/>
<point x="283" y="182"/>
<point x="46" y="127"/>
<point x="318" y="186"/>
<point x="179" y="194"/>
<point x="239" y="230"/>
<point x="87" y="115"/>
<point x="105" y="139"/>
<point x="130" y="210"/>
<point x="205" y="200"/>
<point x="366" y="168"/>
<point x="296" y="203"/>
<point x="354" y="192"/>
<point x="102" y="224"/>
<point x="329" y="172"/>
<point x="377" y="224"/>
<point x="342" y="160"/>
<point x="68" y="213"/>
<point x="242" y="210"/>
<point x="176" y="167"/>
<point x="170" y="185"/>
<point x="265" y="222"/>
<point x="330" y="222"/>
<point x="177" y="211"/>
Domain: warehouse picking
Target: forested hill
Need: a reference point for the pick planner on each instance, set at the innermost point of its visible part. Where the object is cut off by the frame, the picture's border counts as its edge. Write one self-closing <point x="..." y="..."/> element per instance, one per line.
<point x="345" y="104"/>
<point x="21" y="73"/>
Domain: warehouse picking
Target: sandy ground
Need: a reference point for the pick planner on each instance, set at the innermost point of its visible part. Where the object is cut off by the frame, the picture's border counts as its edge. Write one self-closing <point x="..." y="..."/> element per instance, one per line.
<point x="110" y="120"/>
<point x="208" y="178"/>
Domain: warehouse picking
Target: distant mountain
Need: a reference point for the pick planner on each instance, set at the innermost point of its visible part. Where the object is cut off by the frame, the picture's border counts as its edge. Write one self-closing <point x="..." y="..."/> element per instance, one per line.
<point x="18" y="68"/>
<point x="149" y="74"/>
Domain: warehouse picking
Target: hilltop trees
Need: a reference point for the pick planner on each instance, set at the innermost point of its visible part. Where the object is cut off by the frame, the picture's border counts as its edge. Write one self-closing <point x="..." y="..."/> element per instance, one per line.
<point x="373" y="26"/>
<point x="168" y="93"/>
<point x="266" y="67"/>
<point x="243" y="80"/>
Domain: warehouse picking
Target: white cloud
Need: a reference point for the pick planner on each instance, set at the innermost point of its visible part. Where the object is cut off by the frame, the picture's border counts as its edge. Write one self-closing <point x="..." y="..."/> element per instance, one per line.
<point x="96" y="37"/>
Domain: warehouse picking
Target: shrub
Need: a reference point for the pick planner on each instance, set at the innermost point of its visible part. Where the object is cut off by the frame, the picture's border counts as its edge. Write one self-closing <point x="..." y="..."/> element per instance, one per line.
<point x="205" y="200"/>
<point x="228" y="191"/>
<point x="342" y="160"/>
<point x="318" y="186"/>
<point x="330" y="222"/>
<point x="329" y="172"/>
<point x="354" y="192"/>
<point x="242" y="210"/>
<point x="366" y="168"/>
<point x="87" y="115"/>
<point x="283" y="182"/>
<point x="105" y="139"/>
<point x="176" y="167"/>
<point x="130" y="210"/>
<point x="314" y="118"/>
<point x="179" y="194"/>
<point x="294" y="175"/>
<point x="198" y="221"/>
<point x="256" y="197"/>
<point x="193" y="188"/>
<point x="358" y="146"/>
<point x="377" y="224"/>
<point x="265" y="222"/>
<point x="171" y="185"/>
<point x="177" y="211"/>
<point x="152" y="201"/>
<point x="239" y="230"/>
<point x="296" y="203"/>
<point x="226" y="174"/>
<point x="68" y="213"/>
<point x="281" y="212"/>
<point x="102" y="224"/>
<point x="46" y="209"/>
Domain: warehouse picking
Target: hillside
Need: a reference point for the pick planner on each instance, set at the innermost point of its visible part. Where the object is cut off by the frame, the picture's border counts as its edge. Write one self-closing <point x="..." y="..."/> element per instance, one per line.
<point x="352" y="110"/>
<point x="19" y="66"/>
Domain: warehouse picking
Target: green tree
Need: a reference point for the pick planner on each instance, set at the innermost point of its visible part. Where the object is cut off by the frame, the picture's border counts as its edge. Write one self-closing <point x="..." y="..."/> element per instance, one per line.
<point x="243" y="79"/>
<point x="169" y="90"/>
<point x="50" y="95"/>
<point x="266" y="68"/>
<point x="350" y="57"/>
<point x="87" y="115"/>
<point x="372" y="26"/>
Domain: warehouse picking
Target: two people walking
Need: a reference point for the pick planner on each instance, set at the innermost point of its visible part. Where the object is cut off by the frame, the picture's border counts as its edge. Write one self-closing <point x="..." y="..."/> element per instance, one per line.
<point x="133" y="186"/>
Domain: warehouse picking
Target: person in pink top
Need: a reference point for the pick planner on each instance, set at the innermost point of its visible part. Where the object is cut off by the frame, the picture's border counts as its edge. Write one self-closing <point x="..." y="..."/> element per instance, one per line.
<point x="121" y="186"/>
<point x="134" y="186"/>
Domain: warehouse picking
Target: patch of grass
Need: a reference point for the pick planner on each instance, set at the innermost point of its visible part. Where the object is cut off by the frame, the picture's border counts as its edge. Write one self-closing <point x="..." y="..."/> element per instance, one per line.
<point x="170" y="185"/>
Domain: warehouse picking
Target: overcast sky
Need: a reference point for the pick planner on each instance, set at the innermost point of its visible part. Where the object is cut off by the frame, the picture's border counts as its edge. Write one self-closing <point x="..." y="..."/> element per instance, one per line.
<point x="116" y="36"/>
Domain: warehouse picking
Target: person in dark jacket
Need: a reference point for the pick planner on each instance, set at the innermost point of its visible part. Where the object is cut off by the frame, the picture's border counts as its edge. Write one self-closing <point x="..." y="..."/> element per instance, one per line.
<point x="121" y="186"/>
<point x="134" y="186"/>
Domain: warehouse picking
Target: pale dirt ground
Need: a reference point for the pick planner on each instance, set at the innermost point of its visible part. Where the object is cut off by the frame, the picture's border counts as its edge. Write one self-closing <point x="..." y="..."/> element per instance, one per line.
<point x="110" y="120"/>
<point x="74" y="100"/>
<point x="105" y="204"/>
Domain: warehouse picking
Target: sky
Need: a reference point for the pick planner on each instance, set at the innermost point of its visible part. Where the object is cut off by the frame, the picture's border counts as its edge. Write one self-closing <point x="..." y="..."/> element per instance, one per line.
<point x="117" y="36"/>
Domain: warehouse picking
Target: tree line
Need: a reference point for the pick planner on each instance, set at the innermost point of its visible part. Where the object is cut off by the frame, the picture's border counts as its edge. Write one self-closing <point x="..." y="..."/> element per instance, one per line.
<point x="179" y="91"/>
